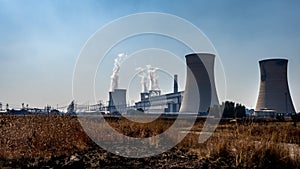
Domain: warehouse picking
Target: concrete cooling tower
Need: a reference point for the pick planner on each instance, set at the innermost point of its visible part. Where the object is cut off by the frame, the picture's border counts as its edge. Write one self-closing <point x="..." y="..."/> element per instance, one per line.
<point x="200" y="91"/>
<point x="274" y="94"/>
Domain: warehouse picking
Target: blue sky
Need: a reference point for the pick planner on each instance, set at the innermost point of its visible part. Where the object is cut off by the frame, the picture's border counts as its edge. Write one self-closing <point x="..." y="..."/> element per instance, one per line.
<point x="40" y="41"/>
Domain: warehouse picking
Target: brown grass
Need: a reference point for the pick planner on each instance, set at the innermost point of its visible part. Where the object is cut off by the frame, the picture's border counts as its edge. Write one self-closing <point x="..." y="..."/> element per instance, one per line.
<point x="40" y="135"/>
<point x="249" y="145"/>
<point x="237" y="145"/>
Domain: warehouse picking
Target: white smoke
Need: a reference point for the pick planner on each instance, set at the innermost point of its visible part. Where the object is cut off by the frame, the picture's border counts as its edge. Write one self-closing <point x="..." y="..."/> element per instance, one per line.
<point x="149" y="78"/>
<point x="144" y="79"/>
<point x="115" y="74"/>
<point x="153" y="77"/>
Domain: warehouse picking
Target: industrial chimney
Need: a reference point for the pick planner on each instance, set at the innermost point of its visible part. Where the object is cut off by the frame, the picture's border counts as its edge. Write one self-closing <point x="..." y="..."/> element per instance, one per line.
<point x="274" y="91"/>
<point x="175" y="84"/>
<point x="200" y="91"/>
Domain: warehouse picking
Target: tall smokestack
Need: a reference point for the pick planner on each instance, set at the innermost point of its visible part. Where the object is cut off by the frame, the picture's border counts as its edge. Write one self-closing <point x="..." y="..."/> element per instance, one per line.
<point x="200" y="87"/>
<point x="274" y="91"/>
<point x="175" y="83"/>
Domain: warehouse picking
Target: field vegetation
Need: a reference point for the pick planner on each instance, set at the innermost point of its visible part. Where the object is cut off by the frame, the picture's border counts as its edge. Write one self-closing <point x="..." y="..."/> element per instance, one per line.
<point x="58" y="141"/>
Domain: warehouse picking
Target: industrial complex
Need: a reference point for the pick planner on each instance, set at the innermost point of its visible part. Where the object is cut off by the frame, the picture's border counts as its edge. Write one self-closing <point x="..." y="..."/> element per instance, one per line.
<point x="198" y="97"/>
<point x="200" y="91"/>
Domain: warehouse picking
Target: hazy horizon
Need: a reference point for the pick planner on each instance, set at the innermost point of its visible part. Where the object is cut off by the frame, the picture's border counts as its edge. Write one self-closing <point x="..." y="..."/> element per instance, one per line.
<point x="41" y="40"/>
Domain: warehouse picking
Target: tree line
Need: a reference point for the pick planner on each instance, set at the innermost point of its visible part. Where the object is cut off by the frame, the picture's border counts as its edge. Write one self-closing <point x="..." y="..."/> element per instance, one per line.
<point x="233" y="110"/>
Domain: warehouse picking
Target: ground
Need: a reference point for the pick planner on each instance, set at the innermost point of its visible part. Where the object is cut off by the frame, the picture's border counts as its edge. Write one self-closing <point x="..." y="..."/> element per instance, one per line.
<point x="58" y="141"/>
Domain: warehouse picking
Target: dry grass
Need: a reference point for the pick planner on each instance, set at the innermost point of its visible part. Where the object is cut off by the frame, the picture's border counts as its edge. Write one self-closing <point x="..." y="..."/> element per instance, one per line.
<point x="250" y="145"/>
<point x="237" y="145"/>
<point x="40" y="135"/>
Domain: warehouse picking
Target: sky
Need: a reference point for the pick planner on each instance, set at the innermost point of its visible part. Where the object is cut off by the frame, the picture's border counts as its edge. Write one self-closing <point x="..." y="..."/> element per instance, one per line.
<point x="40" y="42"/>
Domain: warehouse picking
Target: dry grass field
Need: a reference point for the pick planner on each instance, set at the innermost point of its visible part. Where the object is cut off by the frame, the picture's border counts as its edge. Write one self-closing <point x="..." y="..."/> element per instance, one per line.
<point x="57" y="141"/>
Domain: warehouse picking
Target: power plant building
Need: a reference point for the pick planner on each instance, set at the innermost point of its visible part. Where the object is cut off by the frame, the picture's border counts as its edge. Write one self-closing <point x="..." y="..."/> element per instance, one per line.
<point x="153" y="101"/>
<point x="274" y="95"/>
<point x="199" y="91"/>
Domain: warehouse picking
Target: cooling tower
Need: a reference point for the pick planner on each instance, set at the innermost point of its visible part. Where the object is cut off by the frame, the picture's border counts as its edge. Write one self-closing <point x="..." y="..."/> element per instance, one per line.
<point x="117" y="101"/>
<point x="274" y="91"/>
<point x="200" y="90"/>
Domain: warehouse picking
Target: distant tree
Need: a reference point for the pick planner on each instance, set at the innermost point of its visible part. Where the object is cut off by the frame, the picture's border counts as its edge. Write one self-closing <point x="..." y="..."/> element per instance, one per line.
<point x="240" y="111"/>
<point x="229" y="110"/>
<point x="232" y="110"/>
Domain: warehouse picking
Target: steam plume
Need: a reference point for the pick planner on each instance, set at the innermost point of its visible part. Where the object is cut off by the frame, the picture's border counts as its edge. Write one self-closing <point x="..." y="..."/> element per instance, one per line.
<point x="115" y="74"/>
<point x="144" y="80"/>
<point x="148" y="78"/>
<point x="153" y="77"/>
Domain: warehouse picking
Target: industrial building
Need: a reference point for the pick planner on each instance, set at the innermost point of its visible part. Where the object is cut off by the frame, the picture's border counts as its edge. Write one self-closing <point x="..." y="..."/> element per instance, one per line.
<point x="153" y="101"/>
<point x="200" y="91"/>
<point x="274" y="96"/>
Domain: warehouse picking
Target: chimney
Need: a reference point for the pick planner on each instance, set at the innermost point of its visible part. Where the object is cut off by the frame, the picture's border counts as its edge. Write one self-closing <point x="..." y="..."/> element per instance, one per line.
<point x="175" y="83"/>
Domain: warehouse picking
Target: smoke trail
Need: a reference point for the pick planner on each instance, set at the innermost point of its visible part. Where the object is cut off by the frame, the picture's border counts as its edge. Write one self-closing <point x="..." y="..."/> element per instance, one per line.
<point x="144" y="79"/>
<point x="153" y="77"/>
<point x="115" y="74"/>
